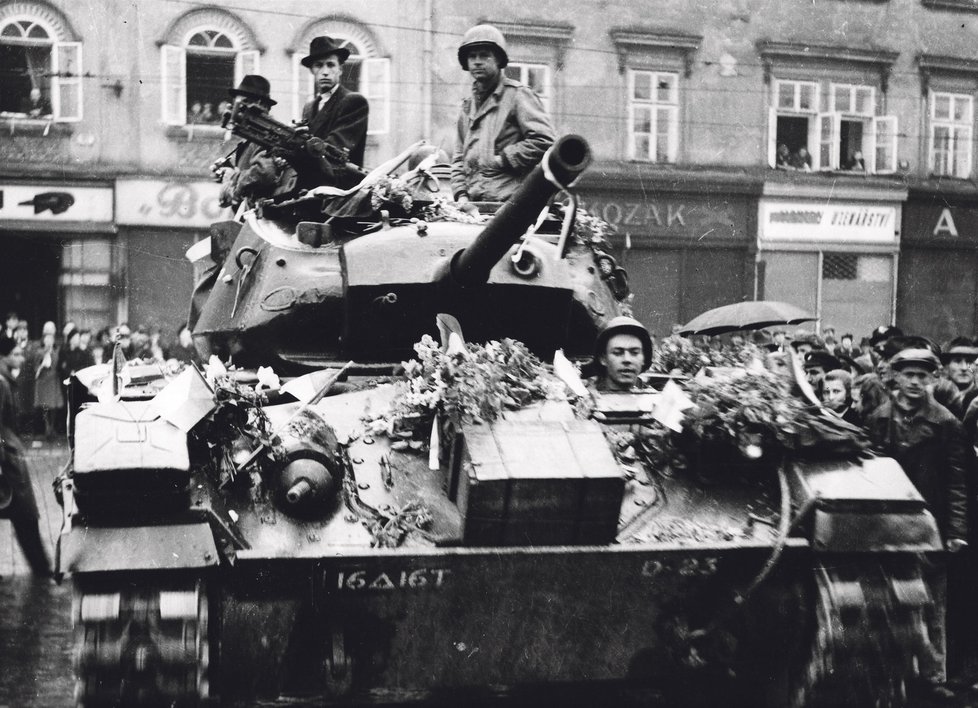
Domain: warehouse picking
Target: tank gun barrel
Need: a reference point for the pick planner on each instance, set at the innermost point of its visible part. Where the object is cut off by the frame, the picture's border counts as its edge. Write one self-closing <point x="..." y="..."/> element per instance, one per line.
<point x="564" y="161"/>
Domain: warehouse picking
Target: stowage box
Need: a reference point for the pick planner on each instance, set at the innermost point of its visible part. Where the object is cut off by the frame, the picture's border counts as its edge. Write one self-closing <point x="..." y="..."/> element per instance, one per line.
<point x="536" y="483"/>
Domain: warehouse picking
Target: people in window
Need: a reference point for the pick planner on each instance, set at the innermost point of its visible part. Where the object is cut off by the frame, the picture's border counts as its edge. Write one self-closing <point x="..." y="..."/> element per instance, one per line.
<point x="801" y="160"/>
<point x="783" y="161"/>
<point x="35" y="105"/>
<point x="856" y="163"/>
<point x="196" y="112"/>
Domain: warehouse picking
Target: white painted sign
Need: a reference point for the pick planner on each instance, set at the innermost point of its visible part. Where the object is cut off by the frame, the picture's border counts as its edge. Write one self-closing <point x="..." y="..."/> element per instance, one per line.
<point x="811" y="221"/>
<point x="55" y="202"/>
<point x="146" y="202"/>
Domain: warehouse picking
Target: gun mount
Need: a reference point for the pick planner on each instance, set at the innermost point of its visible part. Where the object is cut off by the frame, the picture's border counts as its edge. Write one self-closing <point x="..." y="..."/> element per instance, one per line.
<point x="294" y="144"/>
<point x="563" y="162"/>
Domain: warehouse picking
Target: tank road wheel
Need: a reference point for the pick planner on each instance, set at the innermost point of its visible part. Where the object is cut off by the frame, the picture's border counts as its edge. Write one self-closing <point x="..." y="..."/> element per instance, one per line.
<point x="140" y="645"/>
<point x="869" y="629"/>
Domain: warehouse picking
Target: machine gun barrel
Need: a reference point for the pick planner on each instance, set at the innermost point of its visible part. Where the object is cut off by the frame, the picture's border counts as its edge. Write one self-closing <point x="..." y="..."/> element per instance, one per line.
<point x="294" y="144"/>
<point x="564" y="161"/>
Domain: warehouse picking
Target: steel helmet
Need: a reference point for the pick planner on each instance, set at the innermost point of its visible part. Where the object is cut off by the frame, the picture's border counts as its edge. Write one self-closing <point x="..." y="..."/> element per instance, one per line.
<point x="485" y="36"/>
<point x="624" y="325"/>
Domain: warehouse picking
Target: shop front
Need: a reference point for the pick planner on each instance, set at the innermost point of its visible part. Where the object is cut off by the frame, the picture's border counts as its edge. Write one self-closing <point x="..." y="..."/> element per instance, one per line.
<point x="158" y="221"/>
<point x="833" y="255"/>
<point x="937" y="291"/>
<point x="685" y="251"/>
<point x="59" y="255"/>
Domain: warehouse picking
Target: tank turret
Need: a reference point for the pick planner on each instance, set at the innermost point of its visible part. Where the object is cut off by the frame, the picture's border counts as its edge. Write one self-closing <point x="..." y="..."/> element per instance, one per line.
<point x="561" y="165"/>
<point x="306" y="284"/>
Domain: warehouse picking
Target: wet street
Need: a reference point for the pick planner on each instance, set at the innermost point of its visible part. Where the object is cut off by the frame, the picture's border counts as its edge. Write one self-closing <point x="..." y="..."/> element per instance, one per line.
<point x="35" y="615"/>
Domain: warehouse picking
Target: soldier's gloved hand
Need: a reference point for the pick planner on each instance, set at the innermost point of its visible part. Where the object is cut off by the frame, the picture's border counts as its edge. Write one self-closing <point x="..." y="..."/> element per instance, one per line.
<point x="954" y="545"/>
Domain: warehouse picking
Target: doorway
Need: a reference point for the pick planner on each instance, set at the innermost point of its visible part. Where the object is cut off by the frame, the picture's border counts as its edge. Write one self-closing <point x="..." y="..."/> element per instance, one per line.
<point x="30" y="263"/>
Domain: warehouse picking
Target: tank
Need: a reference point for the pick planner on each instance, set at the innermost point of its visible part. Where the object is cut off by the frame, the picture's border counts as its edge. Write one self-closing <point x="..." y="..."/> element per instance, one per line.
<point x="235" y="546"/>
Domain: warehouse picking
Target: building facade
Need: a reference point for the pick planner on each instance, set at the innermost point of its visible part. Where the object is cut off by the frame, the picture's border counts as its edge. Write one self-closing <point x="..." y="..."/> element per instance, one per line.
<point x="823" y="154"/>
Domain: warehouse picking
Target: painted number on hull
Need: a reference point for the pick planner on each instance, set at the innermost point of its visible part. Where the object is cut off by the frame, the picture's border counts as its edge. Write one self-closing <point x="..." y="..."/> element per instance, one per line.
<point x="685" y="567"/>
<point x="395" y="580"/>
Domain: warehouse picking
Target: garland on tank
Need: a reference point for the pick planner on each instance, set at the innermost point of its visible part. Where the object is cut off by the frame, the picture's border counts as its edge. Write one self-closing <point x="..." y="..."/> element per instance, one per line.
<point x="390" y="192"/>
<point x="471" y="383"/>
<point x="750" y="410"/>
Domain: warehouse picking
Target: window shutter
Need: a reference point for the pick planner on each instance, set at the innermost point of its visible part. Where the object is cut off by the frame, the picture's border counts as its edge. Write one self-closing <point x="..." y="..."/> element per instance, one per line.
<point x="375" y="83"/>
<point x="66" y="83"/>
<point x="772" y="135"/>
<point x="245" y="63"/>
<point x="174" y="83"/>
<point x="300" y="78"/>
<point x="883" y="144"/>
<point x="827" y="151"/>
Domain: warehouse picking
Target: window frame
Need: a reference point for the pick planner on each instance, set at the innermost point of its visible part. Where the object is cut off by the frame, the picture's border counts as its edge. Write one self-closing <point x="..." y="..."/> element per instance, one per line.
<point x="654" y="106"/>
<point x="824" y="141"/>
<point x="546" y="97"/>
<point x="933" y="123"/>
<point x="61" y="81"/>
<point x="173" y="74"/>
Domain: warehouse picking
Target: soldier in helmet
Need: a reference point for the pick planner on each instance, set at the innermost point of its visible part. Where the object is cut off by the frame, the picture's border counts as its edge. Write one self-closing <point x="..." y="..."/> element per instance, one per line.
<point x="622" y="351"/>
<point x="503" y="129"/>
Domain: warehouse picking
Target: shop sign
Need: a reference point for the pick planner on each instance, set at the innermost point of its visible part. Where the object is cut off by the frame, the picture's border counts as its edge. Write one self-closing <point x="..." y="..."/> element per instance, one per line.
<point x="812" y="221"/>
<point x="940" y="223"/>
<point x="55" y="202"/>
<point x="168" y="203"/>
<point x="687" y="218"/>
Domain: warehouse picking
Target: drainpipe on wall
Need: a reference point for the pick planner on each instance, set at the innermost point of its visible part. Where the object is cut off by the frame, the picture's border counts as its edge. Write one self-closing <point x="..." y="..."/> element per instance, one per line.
<point x="427" y="68"/>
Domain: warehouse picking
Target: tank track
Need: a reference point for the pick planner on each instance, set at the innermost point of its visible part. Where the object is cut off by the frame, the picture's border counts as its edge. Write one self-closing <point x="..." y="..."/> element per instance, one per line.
<point x="869" y="630"/>
<point x="140" y="645"/>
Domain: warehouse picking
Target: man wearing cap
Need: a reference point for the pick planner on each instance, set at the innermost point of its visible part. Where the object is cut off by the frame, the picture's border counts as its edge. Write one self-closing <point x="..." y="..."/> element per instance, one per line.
<point x="337" y="115"/>
<point x="817" y="362"/>
<point x="929" y="443"/>
<point x="255" y="173"/>
<point x="503" y="129"/>
<point x="14" y="474"/>
<point x="959" y="363"/>
<point x="622" y="351"/>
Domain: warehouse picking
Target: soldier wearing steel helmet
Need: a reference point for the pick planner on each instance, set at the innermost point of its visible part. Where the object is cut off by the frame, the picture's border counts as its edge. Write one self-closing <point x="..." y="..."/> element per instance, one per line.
<point x="503" y="129"/>
<point x="622" y="352"/>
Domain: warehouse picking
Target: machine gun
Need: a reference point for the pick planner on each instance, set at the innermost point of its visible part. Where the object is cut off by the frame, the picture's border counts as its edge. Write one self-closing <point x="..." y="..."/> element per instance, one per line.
<point x="294" y="144"/>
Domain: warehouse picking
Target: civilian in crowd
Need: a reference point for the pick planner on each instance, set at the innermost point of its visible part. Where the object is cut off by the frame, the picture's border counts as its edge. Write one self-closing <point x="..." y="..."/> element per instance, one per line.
<point x="929" y="443"/>
<point x="184" y="350"/>
<point x="10" y="325"/>
<point x="48" y="395"/>
<point x="837" y="395"/>
<point x="22" y="511"/>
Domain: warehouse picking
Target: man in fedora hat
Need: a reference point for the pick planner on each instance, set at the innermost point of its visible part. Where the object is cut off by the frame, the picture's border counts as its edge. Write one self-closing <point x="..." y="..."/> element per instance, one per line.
<point x="254" y="173"/>
<point x="336" y="114"/>
<point x="503" y="129"/>
<point x="622" y="351"/>
<point x="959" y="358"/>
<point x="929" y="443"/>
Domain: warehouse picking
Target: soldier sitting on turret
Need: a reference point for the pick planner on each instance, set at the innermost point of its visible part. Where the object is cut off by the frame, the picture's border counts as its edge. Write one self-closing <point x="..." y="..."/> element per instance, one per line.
<point x="503" y="128"/>
<point x="622" y="352"/>
<point x="254" y="172"/>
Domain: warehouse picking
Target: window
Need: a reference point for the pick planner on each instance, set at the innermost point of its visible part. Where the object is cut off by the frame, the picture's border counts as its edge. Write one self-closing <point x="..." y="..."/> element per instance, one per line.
<point x="951" y="119"/>
<point x="847" y="136"/>
<point x="536" y="76"/>
<point x="363" y="72"/>
<point x="653" y="115"/>
<point x="41" y="75"/>
<point x="206" y="53"/>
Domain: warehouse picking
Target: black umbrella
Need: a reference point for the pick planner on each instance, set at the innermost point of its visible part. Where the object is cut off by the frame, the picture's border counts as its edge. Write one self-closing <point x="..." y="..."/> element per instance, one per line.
<point x="752" y="314"/>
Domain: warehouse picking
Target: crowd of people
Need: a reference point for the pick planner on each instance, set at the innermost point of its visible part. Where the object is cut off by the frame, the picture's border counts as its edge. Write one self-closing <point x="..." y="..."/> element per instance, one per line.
<point x="49" y="361"/>
<point x="915" y="402"/>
